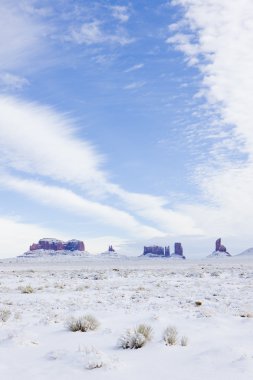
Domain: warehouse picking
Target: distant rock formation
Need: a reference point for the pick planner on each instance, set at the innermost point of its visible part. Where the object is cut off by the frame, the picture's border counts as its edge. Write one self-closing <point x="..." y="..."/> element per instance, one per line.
<point x="154" y="250"/>
<point x="167" y="251"/>
<point x="178" y="249"/>
<point x="58" y="245"/>
<point x="219" y="247"/>
<point x="52" y="247"/>
<point x="220" y="250"/>
<point x="157" y="251"/>
<point x="111" y="253"/>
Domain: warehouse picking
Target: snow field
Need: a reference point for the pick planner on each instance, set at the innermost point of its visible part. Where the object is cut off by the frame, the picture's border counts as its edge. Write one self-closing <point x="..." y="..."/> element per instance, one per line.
<point x="36" y="342"/>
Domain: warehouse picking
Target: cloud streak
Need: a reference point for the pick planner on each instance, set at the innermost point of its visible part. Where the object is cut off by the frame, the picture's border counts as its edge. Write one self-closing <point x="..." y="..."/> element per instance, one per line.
<point x="217" y="38"/>
<point x="37" y="141"/>
<point x="10" y="81"/>
<point x="91" y="33"/>
<point x="120" y="12"/>
<point x="59" y="197"/>
<point x="22" y="36"/>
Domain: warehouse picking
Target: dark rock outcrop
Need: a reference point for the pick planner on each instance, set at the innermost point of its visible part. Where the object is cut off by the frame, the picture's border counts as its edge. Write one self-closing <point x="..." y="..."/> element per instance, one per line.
<point x="157" y="251"/>
<point x="167" y="251"/>
<point x="219" y="247"/>
<point x="220" y="250"/>
<point x="154" y="250"/>
<point x="178" y="249"/>
<point x="49" y="244"/>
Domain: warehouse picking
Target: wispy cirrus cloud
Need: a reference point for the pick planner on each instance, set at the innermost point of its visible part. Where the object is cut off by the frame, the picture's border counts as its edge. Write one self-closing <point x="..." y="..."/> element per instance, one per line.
<point x="60" y="197"/>
<point x="91" y="33"/>
<point x="10" y="81"/>
<point x="51" y="150"/>
<point x="120" y="12"/>
<point x="40" y="128"/>
<point x="134" y="85"/>
<point x="22" y="36"/>
<point x="217" y="37"/>
<point x="138" y="66"/>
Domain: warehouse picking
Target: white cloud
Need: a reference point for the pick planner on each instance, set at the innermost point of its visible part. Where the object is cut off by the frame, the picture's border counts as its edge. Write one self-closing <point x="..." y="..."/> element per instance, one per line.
<point x="58" y="197"/>
<point x="48" y="144"/>
<point x="120" y="12"/>
<point x="92" y="33"/>
<point x="11" y="81"/>
<point x="134" y="85"/>
<point x="153" y="209"/>
<point x="15" y="235"/>
<point x="51" y="149"/>
<point x="138" y="66"/>
<point x="218" y="40"/>
<point x="21" y="37"/>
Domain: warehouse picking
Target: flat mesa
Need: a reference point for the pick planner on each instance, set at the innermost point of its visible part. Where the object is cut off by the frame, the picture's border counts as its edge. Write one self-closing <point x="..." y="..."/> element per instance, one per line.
<point x="55" y="247"/>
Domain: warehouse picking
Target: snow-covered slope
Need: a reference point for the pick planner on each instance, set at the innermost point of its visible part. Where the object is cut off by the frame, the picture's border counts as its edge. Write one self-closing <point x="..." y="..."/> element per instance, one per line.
<point x="49" y="253"/>
<point x="247" y="253"/>
<point x="219" y="254"/>
<point x="152" y="255"/>
<point x="111" y="254"/>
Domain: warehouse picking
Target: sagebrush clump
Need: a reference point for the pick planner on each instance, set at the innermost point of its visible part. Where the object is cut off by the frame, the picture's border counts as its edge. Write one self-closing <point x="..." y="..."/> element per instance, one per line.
<point x="96" y="358"/>
<point x="145" y="330"/>
<point x="4" y="315"/>
<point x="27" y="289"/>
<point x="136" y="338"/>
<point x="184" y="341"/>
<point x="170" y="335"/>
<point x="84" y="323"/>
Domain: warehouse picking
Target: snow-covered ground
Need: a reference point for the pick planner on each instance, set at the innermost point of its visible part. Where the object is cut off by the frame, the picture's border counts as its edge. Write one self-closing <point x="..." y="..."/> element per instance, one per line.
<point x="209" y="301"/>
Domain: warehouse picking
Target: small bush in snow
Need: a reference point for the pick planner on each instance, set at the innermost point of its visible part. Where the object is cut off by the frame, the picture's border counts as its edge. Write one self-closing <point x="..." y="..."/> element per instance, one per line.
<point x="84" y="323"/>
<point x="184" y="341"/>
<point x="132" y="339"/>
<point x="97" y="359"/>
<point x="27" y="289"/>
<point x="170" y="335"/>
<point x="136" y="338"/>
<point x="4" y="315"/>
<point x="145" y="330"/>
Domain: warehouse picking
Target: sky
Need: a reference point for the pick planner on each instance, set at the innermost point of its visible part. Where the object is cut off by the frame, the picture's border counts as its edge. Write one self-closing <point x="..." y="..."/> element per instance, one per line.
<point x="126" y="123"/>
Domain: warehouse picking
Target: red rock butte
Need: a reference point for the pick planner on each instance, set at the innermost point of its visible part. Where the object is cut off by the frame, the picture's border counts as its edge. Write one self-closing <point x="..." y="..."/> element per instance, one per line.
<point x="50" y="244"/>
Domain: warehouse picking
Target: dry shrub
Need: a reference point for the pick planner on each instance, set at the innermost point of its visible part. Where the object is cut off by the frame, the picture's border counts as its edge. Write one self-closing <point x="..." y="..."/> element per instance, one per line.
<point x="145" y="330"/>
<point x="4" y="315"/>
<point x="27" y="289"/>
<point x="84" y="323"/>
<point x="170" y="335"/>
<point x="136" y="338"/>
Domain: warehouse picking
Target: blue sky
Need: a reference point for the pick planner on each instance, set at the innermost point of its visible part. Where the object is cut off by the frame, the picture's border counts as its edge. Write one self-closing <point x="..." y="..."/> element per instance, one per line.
<point x="126" y="123"/>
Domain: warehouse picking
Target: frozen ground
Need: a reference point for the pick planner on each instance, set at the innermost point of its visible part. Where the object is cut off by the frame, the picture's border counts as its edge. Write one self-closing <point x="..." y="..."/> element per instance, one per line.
<point x="35" y="343"/>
